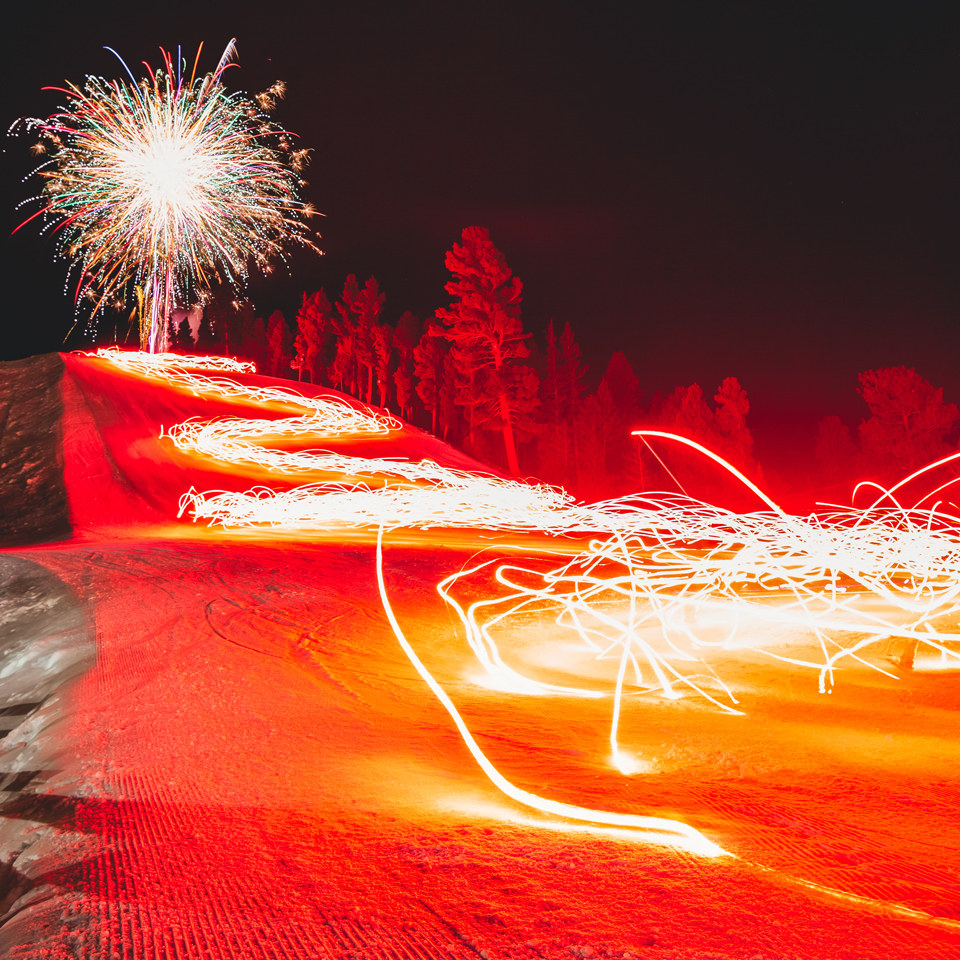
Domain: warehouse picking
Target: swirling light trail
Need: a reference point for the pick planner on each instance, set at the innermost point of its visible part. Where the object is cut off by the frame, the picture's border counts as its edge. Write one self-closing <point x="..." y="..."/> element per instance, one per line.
<point x="662" y="581"/>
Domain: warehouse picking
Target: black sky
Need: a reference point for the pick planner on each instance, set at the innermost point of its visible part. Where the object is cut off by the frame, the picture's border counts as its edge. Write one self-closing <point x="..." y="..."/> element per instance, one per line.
<point x="760" y="190"/>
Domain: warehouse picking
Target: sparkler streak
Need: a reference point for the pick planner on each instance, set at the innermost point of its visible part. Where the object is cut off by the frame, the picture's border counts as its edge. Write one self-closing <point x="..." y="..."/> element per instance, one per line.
<point x="673" y="830"/>
<point x="662" y="582"/>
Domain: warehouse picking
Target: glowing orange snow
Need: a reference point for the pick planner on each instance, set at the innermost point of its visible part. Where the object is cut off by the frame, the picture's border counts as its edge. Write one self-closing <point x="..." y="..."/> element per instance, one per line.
<point x="655" y="584"/>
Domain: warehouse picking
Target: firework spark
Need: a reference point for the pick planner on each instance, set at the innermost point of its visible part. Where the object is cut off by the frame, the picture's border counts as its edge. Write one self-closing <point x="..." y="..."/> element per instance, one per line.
<point x="166" y="186"/>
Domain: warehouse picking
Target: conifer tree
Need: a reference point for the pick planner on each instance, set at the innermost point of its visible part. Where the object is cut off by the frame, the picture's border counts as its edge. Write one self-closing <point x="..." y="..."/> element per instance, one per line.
<point x="589" y="479"/>
<point x="836" y="451"/>
<point x="619" y="397"/>
<point x="253" y="340"/>
<point x="483" y="325"/>
<point x="358" y="312"/>
<point x="206" y="338"/>
<point x="570" y="390"/>
<point x="168" y="342"/>
<point x="551" y="441"/>
<point x="184" y="339"/>
<point x="405" y="338"/>
<point x="279" y="345"/>
<point x="428" y="357"/>
<point x="447" y="399"/>
<point x="314" y="319"/>
<point x="343" y="370"/>
<point x="686" y="412"/>
<point x="382" y="353"/>
<point x="734" y="440"/>
<point x="909" y="421"/>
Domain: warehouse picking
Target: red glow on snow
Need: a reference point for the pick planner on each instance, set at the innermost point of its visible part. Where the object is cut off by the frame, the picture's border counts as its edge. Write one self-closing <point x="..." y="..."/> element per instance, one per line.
<point x="663" y="583"/>
<point x="390" y="621"/>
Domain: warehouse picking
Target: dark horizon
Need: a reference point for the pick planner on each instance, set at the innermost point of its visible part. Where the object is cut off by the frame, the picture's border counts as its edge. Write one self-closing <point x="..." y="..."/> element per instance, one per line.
<point x="748" y="192"/>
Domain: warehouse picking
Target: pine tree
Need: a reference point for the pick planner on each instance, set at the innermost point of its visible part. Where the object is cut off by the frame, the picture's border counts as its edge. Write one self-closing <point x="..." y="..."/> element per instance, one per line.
<point x="222" y="311"/>
<point x="463" y="376"/>
<point x="428" y="356"/>
<point x="836" y="451"/>
<point x="405" y="338"/>
<point x="619" y="397"/>
<point x="570" y="390"/>
<point x="483" y="325"/>
<point x="358" y="312"/>
<point x="206" y="338"/>
<point x="447" y="399"/>
<point x="168" y="343"/>
<point x="343" y="371"/>
<point x="279" y="345"/>
<point x="314" y="320"/>
<point x="252" y="343"/>
<point x="909" y="423"/>
<point x="686" y="412"/>
<point x="551" y="443"/>
<point x="184" y="339"/>
<point x="734" y="440"/>
<point x="590" y="480"/>
<point x="382" y="352"/>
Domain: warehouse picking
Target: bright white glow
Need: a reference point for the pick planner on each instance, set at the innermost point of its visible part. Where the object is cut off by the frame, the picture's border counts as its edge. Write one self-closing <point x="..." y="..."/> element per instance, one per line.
<point x="654" y="583"/>
<point x="686" y="836"/>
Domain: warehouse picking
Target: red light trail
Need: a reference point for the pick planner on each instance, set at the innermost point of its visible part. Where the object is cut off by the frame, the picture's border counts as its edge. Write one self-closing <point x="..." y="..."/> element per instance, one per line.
<point x="657" y="586"/>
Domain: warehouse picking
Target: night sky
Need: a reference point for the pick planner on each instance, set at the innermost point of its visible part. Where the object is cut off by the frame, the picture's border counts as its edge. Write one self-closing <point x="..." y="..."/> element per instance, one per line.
<point x="767" y="191"/>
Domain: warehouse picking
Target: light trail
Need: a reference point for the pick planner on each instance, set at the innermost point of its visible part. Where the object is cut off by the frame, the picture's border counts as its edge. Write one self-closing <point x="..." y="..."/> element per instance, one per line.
<point x="677" y="833"/>
<point x="663" y="583"/>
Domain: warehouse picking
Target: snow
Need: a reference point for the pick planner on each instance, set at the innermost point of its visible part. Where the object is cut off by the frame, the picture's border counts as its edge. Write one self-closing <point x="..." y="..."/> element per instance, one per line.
<point x="225" y="753"/>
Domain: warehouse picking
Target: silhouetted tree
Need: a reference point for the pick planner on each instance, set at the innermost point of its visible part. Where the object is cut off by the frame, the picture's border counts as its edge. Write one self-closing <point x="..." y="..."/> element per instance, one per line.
<point x="206" y="340"/>
<point x="279" y="346"/>
<point x="405" y="338"/>
<point x="253" y="340"/>
<point x="734" y="440"/>
<point x="382" y="351"/>
<point x="619" y="397"/>
<point x="483" y="324"/>
<point x="314" y="320"/>
<point x="358" y="311"/>
<point x="836" y="452"/>
<point x="552" y="440"/>
<point x="909" y="423"/>
<point x="184" y="339"/>
<point x="428" y="356"/>
<point x="227" y="317"/>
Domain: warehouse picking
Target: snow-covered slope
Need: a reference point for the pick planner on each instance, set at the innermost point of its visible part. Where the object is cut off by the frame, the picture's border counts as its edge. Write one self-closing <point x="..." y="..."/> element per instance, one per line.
<point x="217" y="749"/>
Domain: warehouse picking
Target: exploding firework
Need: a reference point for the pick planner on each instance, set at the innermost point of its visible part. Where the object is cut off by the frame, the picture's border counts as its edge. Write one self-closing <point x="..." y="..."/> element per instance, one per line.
<point x="160" y="188"/>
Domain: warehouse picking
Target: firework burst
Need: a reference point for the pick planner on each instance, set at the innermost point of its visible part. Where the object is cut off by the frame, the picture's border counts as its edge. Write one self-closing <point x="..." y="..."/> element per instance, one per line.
<point x="160" y="188"/>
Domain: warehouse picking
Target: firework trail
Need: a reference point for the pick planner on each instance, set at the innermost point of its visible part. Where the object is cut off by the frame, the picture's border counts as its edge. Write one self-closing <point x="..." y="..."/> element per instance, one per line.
<point x="162" y="187"/>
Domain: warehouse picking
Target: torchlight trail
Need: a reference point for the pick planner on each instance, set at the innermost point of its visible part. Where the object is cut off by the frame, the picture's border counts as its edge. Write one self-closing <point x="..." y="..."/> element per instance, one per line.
<point x="662" y="582"/>
<point x="164" y="186"/>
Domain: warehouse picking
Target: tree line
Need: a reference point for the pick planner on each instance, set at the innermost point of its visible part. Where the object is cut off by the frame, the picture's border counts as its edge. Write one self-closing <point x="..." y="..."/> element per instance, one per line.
<point x="472" y="376"/>
<point x="909" y="426"/>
